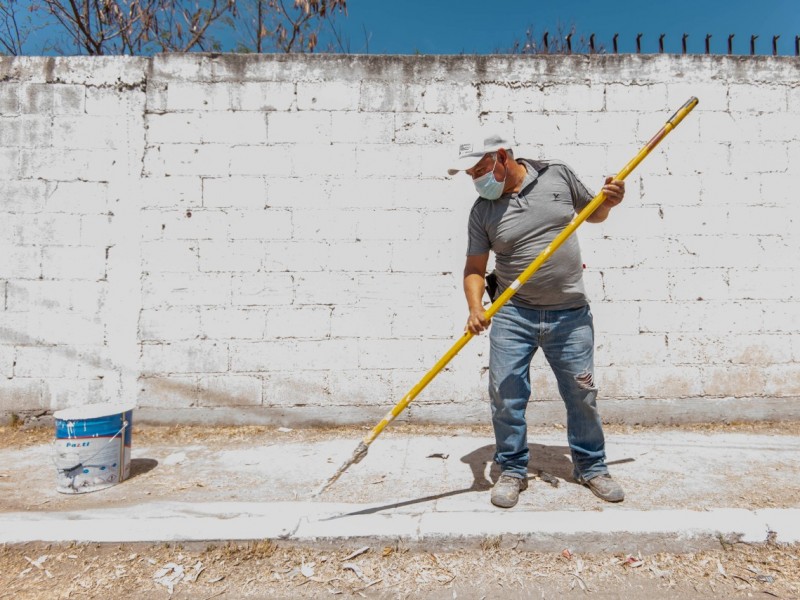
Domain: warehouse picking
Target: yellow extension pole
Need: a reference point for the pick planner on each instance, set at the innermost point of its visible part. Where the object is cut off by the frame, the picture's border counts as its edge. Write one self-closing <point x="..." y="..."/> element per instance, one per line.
<point x="361" y="450"/>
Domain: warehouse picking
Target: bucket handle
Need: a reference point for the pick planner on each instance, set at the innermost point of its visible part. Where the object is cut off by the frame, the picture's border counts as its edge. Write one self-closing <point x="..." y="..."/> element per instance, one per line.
<point x="80" y="464"/>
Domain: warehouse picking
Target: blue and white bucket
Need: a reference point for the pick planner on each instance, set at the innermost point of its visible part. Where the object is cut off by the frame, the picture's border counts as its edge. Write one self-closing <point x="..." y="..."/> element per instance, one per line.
<point x="92" y="447"/>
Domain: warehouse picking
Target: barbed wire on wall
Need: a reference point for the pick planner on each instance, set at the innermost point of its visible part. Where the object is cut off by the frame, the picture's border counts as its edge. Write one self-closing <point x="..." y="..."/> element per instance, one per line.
<point x="548" y="44"/>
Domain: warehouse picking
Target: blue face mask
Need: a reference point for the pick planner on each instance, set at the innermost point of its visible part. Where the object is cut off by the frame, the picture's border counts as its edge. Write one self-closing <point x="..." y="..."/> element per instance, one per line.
<point x="487" y="186"/>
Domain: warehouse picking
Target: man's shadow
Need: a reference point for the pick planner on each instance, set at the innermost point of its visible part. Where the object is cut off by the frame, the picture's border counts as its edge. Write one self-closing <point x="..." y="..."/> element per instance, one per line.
<point x="549" y="463"/>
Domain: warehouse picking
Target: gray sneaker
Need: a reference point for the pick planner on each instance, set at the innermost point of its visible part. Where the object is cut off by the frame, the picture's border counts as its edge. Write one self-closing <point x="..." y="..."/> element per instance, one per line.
<point x="606" y="488"/>
<point x="505" y="492"/>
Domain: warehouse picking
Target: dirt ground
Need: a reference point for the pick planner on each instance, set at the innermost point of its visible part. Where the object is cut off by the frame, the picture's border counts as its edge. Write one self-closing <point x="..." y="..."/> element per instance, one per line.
<point x="269" y="570"/>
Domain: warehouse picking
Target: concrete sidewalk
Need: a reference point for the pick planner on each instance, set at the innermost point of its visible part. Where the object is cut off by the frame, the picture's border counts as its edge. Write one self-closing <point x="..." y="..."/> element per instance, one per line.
<point x="685" y="491"/>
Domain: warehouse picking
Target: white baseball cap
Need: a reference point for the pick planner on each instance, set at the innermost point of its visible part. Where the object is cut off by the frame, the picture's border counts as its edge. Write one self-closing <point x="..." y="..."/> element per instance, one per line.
<point x="471" y="152"/>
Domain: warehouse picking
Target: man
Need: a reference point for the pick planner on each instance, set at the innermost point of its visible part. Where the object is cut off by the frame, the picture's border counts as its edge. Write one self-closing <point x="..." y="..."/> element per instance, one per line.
<point x="523" y="205"/>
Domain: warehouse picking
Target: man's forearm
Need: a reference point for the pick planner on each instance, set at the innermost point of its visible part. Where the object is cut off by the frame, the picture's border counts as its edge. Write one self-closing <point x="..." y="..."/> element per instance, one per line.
<point x="474" y="285"/>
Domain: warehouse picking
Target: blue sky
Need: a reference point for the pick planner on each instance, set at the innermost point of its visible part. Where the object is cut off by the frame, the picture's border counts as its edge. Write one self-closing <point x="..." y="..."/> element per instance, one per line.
<point x="484" y="26"/>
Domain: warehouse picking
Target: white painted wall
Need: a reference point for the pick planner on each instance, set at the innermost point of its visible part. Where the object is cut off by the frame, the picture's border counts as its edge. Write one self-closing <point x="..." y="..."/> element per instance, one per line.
<point x="273" y="238"/>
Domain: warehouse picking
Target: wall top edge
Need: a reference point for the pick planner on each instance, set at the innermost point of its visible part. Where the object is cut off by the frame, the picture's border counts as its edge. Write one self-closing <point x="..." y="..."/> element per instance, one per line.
<point x="128" y="71"/>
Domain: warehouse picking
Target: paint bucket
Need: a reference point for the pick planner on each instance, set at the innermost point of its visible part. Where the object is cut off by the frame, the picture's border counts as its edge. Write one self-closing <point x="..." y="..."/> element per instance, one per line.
<point x="92" y="449"/>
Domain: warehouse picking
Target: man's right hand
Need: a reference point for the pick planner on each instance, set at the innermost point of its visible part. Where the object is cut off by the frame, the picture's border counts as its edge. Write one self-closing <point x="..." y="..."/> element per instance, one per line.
<point x="476" y="323"/>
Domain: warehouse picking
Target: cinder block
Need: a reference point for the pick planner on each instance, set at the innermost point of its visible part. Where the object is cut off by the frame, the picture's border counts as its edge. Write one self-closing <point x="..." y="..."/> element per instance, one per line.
<point x="615" y="318"/>
<point x="410" y="193"/>
<point x="209" y="160"/>
<point x="763" y="157"/>
<point x="49" y="98"/>
<point x="720" y="190"/>
<point x="42" y="228"/>
<point x="170" y="256"/>
<point x="635" y="284"/>
<point x="174" y="128"/>
<point x="637" y="98"/>
<point x="699" y="284"/>
<point x="171" y="192"/>
<point x="26" y="131"/>
<point x="758" y="349"/>
<point x="362" y="128"/>
<point x="780" y="127"/>
<point x="422" y="128"/>
<point x="759" y="220"/>
<point x="324" y="224"/>
<point x="573" y="98"/>
<point x="328" y="159"/>
<point x="266" y="224"/>
<point x="378" y="96"/>
<point x="109" y="101"/>
<point x="733" y="381"/>
<point x="704" y="158"/>
<point x="263" y="289"/>
<point x="82" y="297"/>
<point x="332" y="95"/>
<point x="230" y="390"/>
<point x="233" y="128"/>
<point x="637" y="349"/>
<point x="7" y="354"/>
<point x="197" y="96"/>
<point x="780" y="316"/>
<point x="9" y="98"/>
<point x="63" y="393"/>
<point x="56" y="361"/>
<point x="178" y="289"/>
<point x="21" y="394"/>
<point x="98" y="230"/>
<point x="667" y="190"/>
<point x="294" y="355"/>
<point x="776" y="188"/>
<point x="432" y="322"/>
<point x="694" y="220"/>
<point x="452" y="99"/>
<point x="359" y="256"/>
<point x="195" y="356"/>
<point x="328" y="289"/>
<point x="779" y="251"/>
<point x="88" y="132"/>
<point x="757" y="97"/>
<point x="262" y="96"/>
<point x="735" y="318"/>
<point x="671" y="382"/>
<point x="184" y="225"/>
<point x="298" y="127"/>
<point x="388" y="224"/>
<point x="231" y="256"/>
<point x="22" y="196"/>
<point x="358" y="322"/>
<point x="293" y="388"/>
<point x="294" y="256"/>
<point x="404" y="289"/>
<point x="168" y="392"/>
<point x="545" y="128"/>
<point x="76" y="197"/>
<point x="67" y="328"/>
<point x="233" y="323"/>
<point x="511" y="98"/>
<point x="782" y="381"/>
<point x="363" y="388"/>
<point x="713" y="96"/>
<point x="411" y="256"/>
<point x="260" y="160"/>
<point x="728" y="127"/>
<point x="764" y="284"/>
<point x="169" y="325"/>
<point x="285" y="191"/>
<point x="74" y="262"/>
<point x="299" y="322"/>
<point x="235" y="192"/>
<point x="388" y="161"/>
<point x="9" y="163"/>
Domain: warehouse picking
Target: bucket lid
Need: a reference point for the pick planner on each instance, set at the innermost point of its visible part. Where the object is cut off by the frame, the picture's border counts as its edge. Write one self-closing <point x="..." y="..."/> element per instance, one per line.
<point x="93" y="411"/>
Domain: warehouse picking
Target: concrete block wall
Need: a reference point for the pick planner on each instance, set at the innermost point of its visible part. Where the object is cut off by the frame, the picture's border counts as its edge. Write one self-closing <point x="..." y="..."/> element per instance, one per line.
<point x="273" y="239"/>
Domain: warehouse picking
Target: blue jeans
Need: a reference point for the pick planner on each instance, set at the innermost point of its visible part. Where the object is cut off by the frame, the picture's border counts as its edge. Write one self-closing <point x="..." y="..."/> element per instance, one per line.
<point x="567" y="339"/>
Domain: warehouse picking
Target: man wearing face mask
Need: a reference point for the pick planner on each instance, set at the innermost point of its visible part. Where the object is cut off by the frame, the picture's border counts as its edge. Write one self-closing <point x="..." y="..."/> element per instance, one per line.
<point x="523" y="205"/>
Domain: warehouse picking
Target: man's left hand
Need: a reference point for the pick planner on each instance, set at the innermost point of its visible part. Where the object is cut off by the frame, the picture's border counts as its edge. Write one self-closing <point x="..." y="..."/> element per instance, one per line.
<point x="614" y="190"/>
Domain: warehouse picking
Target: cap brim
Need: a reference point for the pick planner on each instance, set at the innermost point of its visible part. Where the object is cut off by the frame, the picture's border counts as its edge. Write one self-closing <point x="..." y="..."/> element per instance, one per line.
<point x="464" y="163"/>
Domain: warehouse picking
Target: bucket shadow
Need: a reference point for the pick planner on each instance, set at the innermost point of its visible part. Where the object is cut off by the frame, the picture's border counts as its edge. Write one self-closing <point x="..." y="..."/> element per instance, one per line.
<point x="550" y="463"/>
<point x="140" y="466"/>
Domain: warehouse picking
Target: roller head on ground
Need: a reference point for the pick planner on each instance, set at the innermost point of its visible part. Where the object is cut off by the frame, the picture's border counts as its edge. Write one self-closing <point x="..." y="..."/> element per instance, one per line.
<point x="358" y="454"/>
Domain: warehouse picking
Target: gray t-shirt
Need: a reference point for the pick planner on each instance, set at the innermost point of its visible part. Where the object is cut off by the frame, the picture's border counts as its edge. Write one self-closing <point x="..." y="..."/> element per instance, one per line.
<point x="517" y="227"/>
